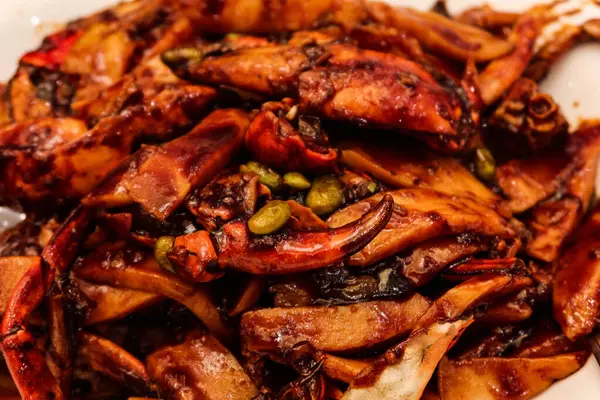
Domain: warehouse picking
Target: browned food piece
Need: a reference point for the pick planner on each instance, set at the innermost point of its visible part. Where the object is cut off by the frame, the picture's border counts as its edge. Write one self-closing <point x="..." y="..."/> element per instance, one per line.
<point x="258" y="16"/>
<point x="4" y="107"/>
<point x="420" y="215"/>
<point x="60" y="352"/>
<point x="199" y="368"/>
<point x="333" y="329"/>
<point x="109" y="359"/>
<point x="195" y="257"/>
<point x="388" y="97"/>
<point x="407" y="164"/>
<point x="441" y="34"/>
<point x="12" y="270"/>
<point x="159" y="178"/>
<point x="71" y="160"/>
<point x="487" y="18"/>
<point x="501" y="73"/>
<point x="431" y="257"/>
<point x="24" y="101"/>
<point x="342" y="369"/>
<point x="547" y="340"/>
<point x="527" y="181"/>
<point x="487" y="378"/>
<point x="272" y="70"/>
<point x="26" y="362"/>
<point x="526" y="120"/>
<point x="125" y="268"/>
<point x="62" y="249"/>
<point x="576" y="291"/>
<point x="470" y="294"/>
<point x="406" y="369"/>
<point x="251" y="292"/>
<point x="110" y="303"/>
<point x="561" y="42"/>
<point x="552" y="221"/>
<point x="273" y="141"/>
<point x="511" y="311"/>
<point x="303" y="218"/>
<point x="293" y="251"/>
<point x="225" y="198"/>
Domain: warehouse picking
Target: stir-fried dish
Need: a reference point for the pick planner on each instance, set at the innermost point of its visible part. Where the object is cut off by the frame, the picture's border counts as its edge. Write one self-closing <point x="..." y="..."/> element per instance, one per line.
<point x="295" y="200"/>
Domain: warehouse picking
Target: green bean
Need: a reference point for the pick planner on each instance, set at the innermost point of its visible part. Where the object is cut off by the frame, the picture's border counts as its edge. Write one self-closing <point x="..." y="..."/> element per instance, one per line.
<point x="161" y="248"/>
<point x="485" y="165"/>
<point x="268" y="177"/>
<point x="181" y="55"/>
<point x="296" y="181"/>
<point x="326" y="195"/>
<point x="271" y="218"/>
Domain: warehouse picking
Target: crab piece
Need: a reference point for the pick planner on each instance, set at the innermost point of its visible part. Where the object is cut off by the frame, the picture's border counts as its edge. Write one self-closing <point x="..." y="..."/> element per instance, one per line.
<point x="562" y="41"/>
<point x="193" y="159"/>
<point x="106" y="357"/>
<point x="331" y="329"/>
<point x="387" y="95"/>
<point x="12" y="269"/>
<point x="406" y="164"/>
<point x="132" y="269"/>
<point x="532" y="118"/>
<point x="552" y="221"/>
<point x="440" y="34"/>
<point x="576" y="303"/>
<point x="35" y="92"/>
<point x="53" y="51"/>
<point x="225" y="198"/>
<point x="260" y="16"/>
<point x="487" y="18"/>
<point x="25" y="361"/>
<point x="136" y="88"/>
<point x="431" y="257"/>
<point x="486" y="378"/>
<point x="274" y="141"/>
<point x="271" y="70"/>
<point x="71" y="160"/>
<point x="406" y="369"/>
<point x="61" y="250"/>
<point x="527" y="181"/>
<point x="109" y="303"/>
<point x="195" y="257"/>
<point x="501" y="73"/>
<point x="200" y="367"/>
<point x="291" y="251"/>
<point x="419" y="215"/>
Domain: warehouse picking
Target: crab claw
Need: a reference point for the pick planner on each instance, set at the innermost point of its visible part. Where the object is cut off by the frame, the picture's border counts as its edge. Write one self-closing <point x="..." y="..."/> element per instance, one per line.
<point x="25" y="361"/>
<point x="289" y="252"/>
<point x="275" y="142"/>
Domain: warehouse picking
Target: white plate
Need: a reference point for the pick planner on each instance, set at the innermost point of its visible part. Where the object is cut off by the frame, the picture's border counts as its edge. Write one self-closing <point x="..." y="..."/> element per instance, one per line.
<point x="573" y="82"/>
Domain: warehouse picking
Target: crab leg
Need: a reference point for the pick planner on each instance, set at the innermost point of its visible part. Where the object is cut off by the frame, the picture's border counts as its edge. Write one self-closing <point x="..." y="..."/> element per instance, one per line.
<point x="288" y="252"/>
